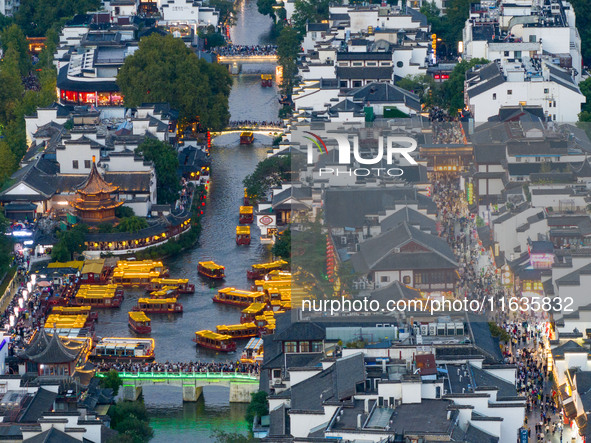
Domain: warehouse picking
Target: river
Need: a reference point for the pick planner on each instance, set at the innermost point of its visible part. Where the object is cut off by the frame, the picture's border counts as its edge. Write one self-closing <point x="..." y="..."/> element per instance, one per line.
<point x="172" y="419"/>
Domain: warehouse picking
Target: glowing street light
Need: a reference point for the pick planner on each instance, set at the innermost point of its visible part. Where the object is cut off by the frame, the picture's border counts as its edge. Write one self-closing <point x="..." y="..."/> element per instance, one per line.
<point x="25" y="294"/>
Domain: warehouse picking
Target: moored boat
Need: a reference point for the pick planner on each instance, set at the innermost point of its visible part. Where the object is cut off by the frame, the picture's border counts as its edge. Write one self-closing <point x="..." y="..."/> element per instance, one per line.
<point x="246" y="138"/>
<point x="213" y="340"/>
<point x="182" y="284"/>
<point x="242" y="330"/>
<point x="124" y="349"/>
<point x="211" y="270"/>
<point x="251" y="311"/>
<point x="139" y="322"/>
<point x="259" y="270"/>
<point x="165" y="292"/>
<point x="245" y="215"/>
<point x="76" y="310"/>
<point x="158" y="305"/>
<point x="243" y="235"/>
<point x="98" y="296"/>
<point x="238" y="297"/>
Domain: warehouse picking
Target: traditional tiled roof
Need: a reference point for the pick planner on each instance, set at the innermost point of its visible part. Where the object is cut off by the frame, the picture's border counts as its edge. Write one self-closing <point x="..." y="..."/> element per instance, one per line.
<point x="95" y="184"/>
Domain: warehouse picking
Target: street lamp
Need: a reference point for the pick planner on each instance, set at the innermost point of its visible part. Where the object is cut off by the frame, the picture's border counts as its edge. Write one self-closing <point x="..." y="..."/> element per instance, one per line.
<point x="29" y="286"/>
<point x="34" y="278"/>
<point x="25" y="294"/>
<point x="11" y="320"/>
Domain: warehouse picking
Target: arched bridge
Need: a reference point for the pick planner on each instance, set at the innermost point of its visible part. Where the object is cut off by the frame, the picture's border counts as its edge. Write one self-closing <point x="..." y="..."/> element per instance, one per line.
<point x="270" y="131"/>
<point x="241" y="385"/>
<point x="235" y="61"/>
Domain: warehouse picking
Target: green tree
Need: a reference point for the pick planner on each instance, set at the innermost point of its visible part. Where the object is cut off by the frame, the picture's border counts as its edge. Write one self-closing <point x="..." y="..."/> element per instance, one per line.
<point x="583" y="12"/>
<point x="166" y="164"/>
<point x="288" y="48"/>
<point x="69" y="243"/>
<point x="419" y="84"/>
<point x="219" y="436"/>
<point x="12" y="88"/>
<point x="258" y="406"/>
<point x="308" y="11"/>
<point x="35" y="17"/>
<point x="282" y="246"/>
<point x="124" y="211"/>
<point x="105" y="228"/>
<point x="112" y="380"/>
<point x="14" y="38"/>
<point x="130" y="419"/>
<point x="265" y="7"/>
<point x="450" y="94"/>
<point x="227" y="10"/>
<point x="163" y="69"/>
<point x="585" y="87"/>
<point x="268" y="173"/>
<point x="132" y="224"/>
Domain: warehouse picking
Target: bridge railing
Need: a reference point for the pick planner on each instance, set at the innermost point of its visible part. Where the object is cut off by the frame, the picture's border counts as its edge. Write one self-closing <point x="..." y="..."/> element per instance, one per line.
<point x="194" y="375"/>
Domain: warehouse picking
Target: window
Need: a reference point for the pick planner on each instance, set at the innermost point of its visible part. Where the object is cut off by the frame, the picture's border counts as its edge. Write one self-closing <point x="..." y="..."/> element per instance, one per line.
<point x="75" y="164"/>
<point x="357" y="64"/>
<point x="517" y="54"/>
<point x="532" y="39"/>
<point x="276" y="373"/>
<point x="506" y="53"/>
<point x="372" y="63"/>
<point x="538" y="159"/>
<point x="384" y="279"/>
<point x="406" y="279"/>
<point x="291" y="346"/>
<point x="356" y="83"/>
<point x="546" y="90"/>
<point x="495" y="96"/>
<point x="87" y="164"/>
<point x="509" y="92"/>
<point x="343" y="84"/>
<point x="304" y="346"/>
<point x="316" y="346"/>
<point x="399" y="64"/>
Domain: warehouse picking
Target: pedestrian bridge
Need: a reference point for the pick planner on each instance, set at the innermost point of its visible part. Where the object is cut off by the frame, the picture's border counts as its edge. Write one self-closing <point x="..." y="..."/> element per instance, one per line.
<point x="270" y="131"/>
<point x="241" y="385"/>
<point x="236" y="61"/>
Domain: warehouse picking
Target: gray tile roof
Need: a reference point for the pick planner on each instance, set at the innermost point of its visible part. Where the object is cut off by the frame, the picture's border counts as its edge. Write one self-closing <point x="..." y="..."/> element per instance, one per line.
<point x="336" y="383"/>
<point x="379" y="253"/>
<point x="412" y="217"/>
<point x="42" y="402"/>
<point x="348" y="207"/>
<point x="379" y="92"/>
<point x="365" y="73"/>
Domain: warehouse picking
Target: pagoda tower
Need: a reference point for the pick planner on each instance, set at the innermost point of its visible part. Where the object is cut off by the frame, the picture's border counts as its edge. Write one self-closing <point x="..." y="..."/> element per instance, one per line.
<point x="94" y="203"/>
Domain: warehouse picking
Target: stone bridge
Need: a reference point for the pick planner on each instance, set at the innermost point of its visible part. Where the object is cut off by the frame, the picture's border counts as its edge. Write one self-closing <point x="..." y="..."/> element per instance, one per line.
<point x="241" y="385"/>
<point x="236" y="61"/>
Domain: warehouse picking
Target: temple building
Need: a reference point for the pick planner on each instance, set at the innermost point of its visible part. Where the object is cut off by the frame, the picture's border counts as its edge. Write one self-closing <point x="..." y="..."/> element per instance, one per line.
<point x="50" y="354"/>
<point x="94" y="203"/>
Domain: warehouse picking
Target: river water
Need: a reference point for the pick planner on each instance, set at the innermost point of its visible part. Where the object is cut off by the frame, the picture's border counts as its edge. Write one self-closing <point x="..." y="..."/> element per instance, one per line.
<point x="172" y="419"/>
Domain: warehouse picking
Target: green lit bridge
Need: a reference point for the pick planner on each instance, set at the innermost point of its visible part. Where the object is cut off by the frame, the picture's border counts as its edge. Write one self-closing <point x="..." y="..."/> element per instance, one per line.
<point x="241" y="385"/>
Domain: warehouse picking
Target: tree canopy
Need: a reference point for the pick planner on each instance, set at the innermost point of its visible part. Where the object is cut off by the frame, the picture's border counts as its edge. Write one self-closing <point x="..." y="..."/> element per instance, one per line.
<point x="130" y="419"/>
<point x="269" y="172"/>
<point x="166" y="164"/>
<point x="288" y="47"/>
<point x="35" y="17"/>
<point x="69" y="243"/>
<point x="163" y="69"/>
